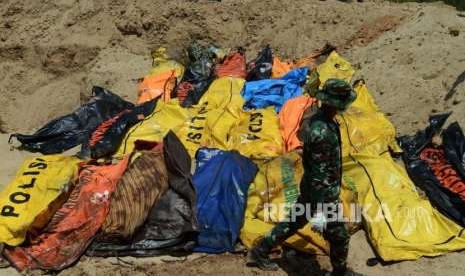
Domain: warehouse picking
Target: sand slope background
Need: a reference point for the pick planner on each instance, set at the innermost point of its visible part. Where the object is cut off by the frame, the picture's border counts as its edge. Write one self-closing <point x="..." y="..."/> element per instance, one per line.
<point x="53" y="52"/>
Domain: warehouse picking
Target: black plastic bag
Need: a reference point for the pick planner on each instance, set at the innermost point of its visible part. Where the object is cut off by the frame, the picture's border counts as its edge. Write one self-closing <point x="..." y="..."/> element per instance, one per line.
<point x="448" y="203"/>
<point x="412" y="145"/>
<point x="454" y="146"/>
<point x="171" y="226"/>
<point x="261" y="67"/>
<point x="71" y="130"/>
<point x="108" y="136"/>
<point x="198" y="75"/>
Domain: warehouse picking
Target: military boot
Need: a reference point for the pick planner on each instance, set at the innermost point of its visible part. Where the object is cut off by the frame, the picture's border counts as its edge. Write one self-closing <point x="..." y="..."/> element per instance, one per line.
<point x="260" y="255"/>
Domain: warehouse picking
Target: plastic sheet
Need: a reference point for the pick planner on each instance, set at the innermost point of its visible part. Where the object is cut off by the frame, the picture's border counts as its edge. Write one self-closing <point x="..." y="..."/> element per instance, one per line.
<point x="157" y="86"/>
<point x="282" y="67"/>
<point x="224" y="92"/>
<point x="335" y="67"/>
<point x="290" y="119"/>
<point x="163" y="63"/>
<point x="193" y="132"/>
<point x="71" y="130"/>
<point x="261" y="67"/>
<point x="221" y="180"/>
<point x="233" y="65"/>
<point x="274" y="92"/>
<point x="430" y="170"/>
<point x="107" y="138"/>
<point x="454" y="146"/>
<point x="364" y="129"/>
<point x="277" y="183"/>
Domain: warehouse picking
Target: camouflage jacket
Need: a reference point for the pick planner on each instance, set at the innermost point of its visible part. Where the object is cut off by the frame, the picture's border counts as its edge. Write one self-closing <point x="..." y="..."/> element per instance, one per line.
<point x="321" y="157"/>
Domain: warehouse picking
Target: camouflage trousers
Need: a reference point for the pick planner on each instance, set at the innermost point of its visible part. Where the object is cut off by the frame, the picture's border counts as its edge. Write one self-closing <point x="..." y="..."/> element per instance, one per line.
<point x="335" y="233"/>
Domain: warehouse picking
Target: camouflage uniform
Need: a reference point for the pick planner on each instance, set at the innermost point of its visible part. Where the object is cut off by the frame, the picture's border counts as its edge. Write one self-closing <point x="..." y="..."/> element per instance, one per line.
<point x="321" y="182"/>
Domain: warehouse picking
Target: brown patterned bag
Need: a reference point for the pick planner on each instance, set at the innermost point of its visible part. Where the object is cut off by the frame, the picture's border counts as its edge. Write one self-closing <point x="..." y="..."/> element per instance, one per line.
<point x="141" y="186"/>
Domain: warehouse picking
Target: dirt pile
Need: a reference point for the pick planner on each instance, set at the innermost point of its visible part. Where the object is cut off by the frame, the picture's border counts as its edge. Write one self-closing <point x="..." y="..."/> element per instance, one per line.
<point x="52" y="52"/>
<point x="412" y="70"/>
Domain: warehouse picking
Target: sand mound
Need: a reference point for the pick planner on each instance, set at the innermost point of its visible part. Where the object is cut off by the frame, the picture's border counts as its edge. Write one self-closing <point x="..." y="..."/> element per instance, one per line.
<point x="51" y="60"/>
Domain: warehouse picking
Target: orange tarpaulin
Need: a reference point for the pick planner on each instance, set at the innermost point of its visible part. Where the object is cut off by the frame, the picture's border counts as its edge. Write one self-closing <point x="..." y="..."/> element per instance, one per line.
<point x="289" y="119"/>
<point x="282" y="67"/>
<point x="234" y="65"/>
<point x="159" y="85"/>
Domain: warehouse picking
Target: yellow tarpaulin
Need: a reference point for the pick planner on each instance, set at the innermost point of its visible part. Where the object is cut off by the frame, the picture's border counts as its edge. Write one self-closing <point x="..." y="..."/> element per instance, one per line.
<point x="162" y="63"/>
<point x="364" y="100"/>
<point x="400" y="224"/>
<point x="210" y="122"/>
<point x="277" y="183"/>
<point x="258" y="134"/>
<point x="192" y="131"/>
<point x="254" y="133"/>
<point x="167" y="116"/>
<point x="335" y="67"/>
<point x="217" y="121"/>
<point x="224" y="92"/>
<point x="207" y="127"/>
<point x="364" y="128"/>
<point x="221" y="123"/>
<point x="29" y="201"/>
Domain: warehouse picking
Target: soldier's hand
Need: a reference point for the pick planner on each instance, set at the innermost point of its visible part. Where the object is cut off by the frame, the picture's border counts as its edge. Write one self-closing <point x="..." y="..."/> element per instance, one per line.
<point x="318" y="222"/>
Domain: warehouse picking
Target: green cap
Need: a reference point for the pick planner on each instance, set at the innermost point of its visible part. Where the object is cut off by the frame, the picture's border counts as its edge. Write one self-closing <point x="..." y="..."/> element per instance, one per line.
<point x="337" y="93"/>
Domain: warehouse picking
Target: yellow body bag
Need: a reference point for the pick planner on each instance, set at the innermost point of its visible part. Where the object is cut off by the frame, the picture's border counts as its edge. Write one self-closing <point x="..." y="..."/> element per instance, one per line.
<point x="335" y="67"/>
<point x="258" y="134"/>
<point x="224" y="92"/>
<point x="167" y="116"/>
<point x="31" y="199"/>
<point x="162" y="63"/>
<point x="400" y="224"/>
<point x="210" y="122"/>
<point x="277" y="183"/>
<point x="364" y="128"/>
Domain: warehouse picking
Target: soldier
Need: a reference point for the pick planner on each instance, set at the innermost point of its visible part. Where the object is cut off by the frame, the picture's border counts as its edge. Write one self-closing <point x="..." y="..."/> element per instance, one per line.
<point x="321" y="181"/>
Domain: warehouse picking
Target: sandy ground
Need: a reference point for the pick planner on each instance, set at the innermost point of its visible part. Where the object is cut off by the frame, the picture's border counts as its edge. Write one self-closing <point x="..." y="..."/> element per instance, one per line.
<point x="52" y="52"/>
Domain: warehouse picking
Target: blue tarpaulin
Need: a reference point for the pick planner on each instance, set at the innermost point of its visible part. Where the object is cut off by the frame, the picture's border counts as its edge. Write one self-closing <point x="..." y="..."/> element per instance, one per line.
<point x="264" y="93"/>
<point x="221" y="179"/>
